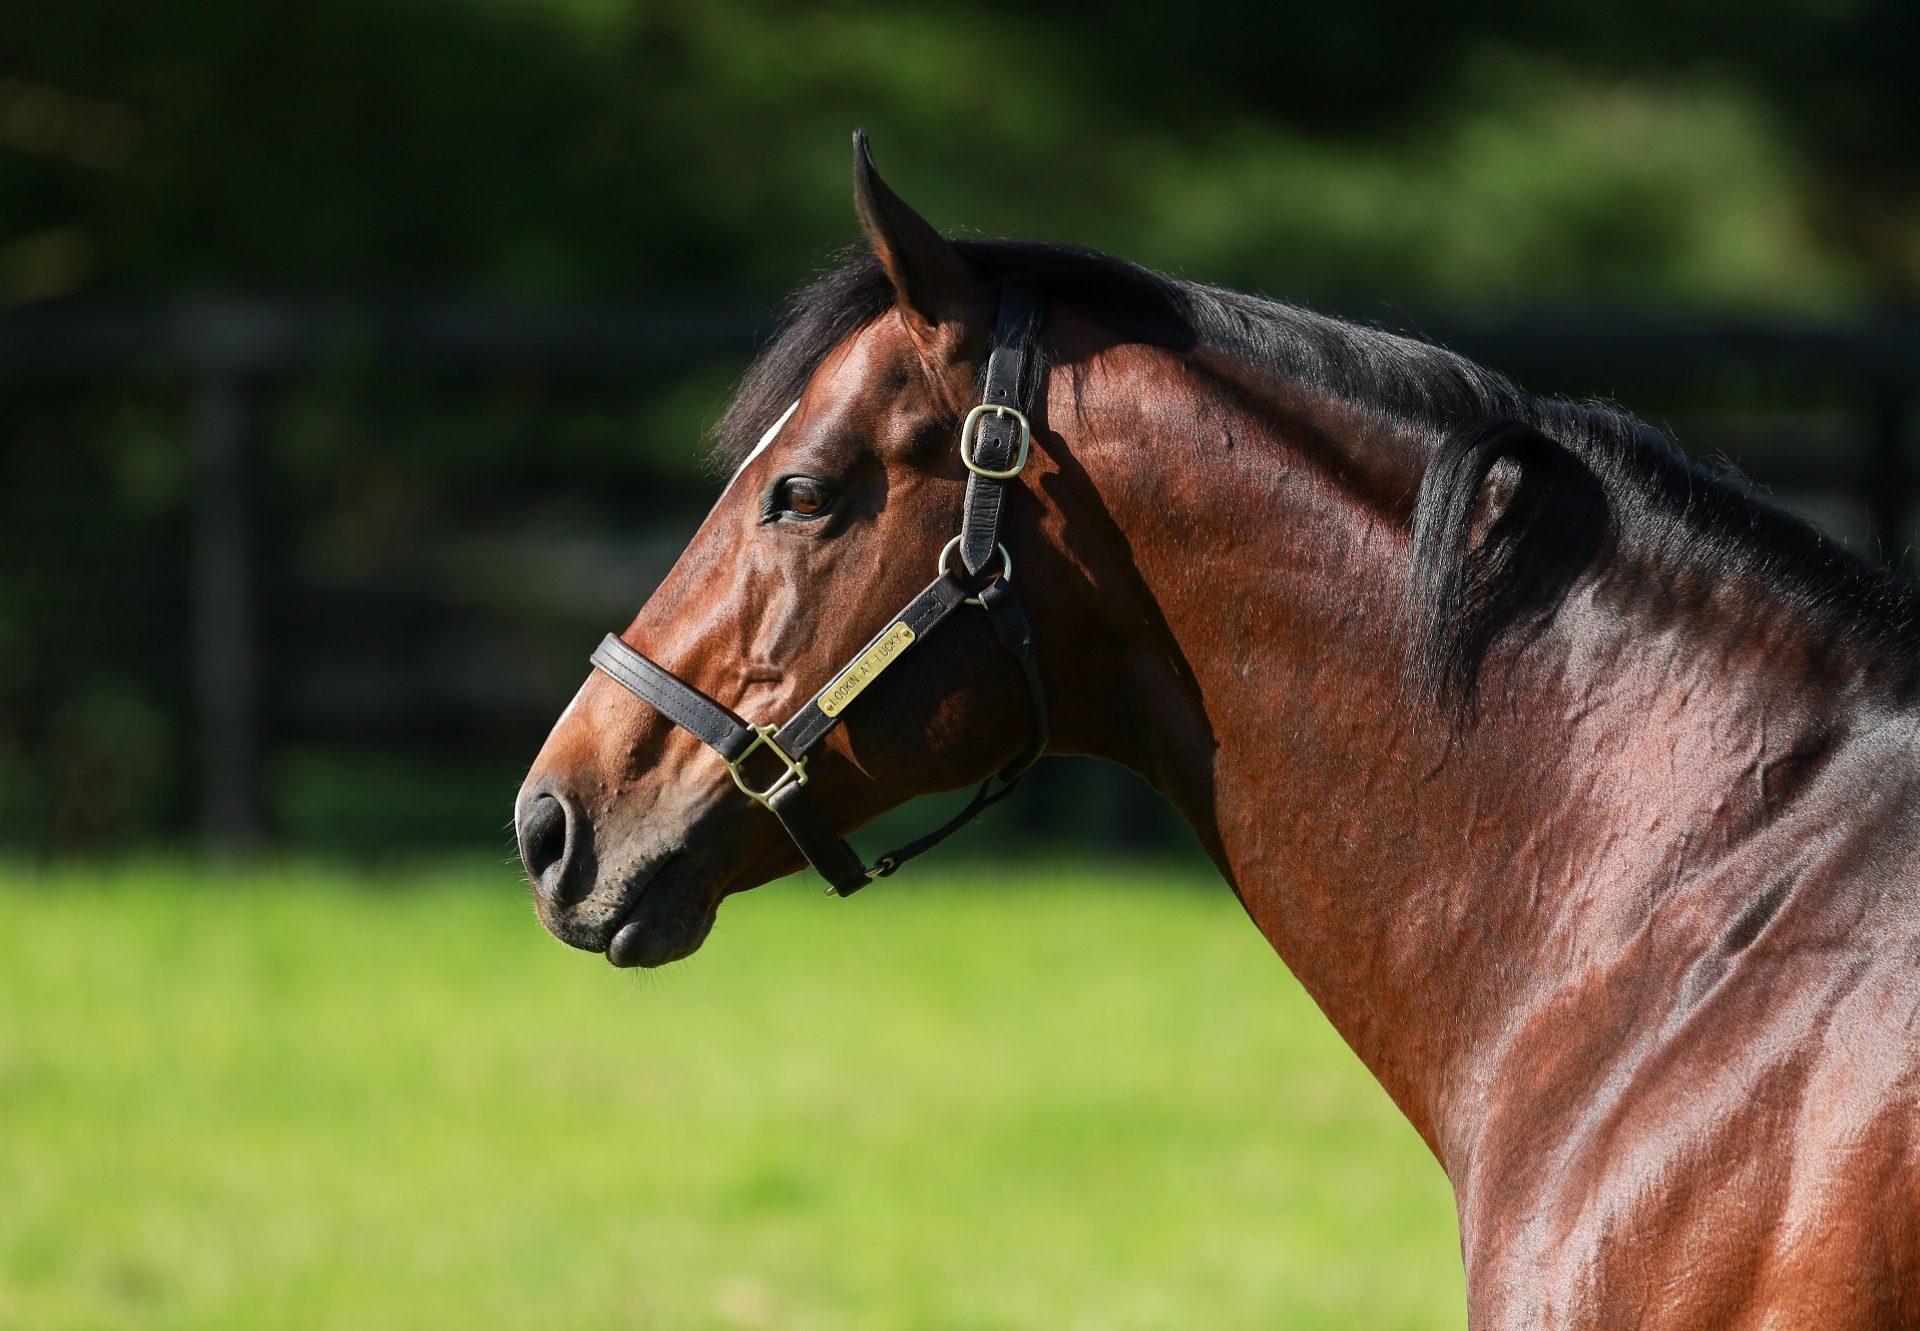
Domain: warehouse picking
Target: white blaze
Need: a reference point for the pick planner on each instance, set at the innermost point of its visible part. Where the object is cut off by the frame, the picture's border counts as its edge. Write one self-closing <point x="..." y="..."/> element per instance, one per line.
<point x="765" y="439"/>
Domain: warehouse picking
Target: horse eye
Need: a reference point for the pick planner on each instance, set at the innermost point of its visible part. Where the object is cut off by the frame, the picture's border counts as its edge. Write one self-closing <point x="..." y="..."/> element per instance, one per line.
<point x="804" y="498"/>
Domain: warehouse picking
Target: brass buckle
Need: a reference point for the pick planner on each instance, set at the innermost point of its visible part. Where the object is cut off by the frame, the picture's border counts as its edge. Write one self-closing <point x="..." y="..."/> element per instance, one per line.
<point x="1006" y="566"/>
<point x="795" y="775"/>
<point x="967" y="437"/>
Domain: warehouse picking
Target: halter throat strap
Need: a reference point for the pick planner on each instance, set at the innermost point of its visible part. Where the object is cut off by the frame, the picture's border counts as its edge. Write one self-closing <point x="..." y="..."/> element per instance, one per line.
<point x="994" y="443"/>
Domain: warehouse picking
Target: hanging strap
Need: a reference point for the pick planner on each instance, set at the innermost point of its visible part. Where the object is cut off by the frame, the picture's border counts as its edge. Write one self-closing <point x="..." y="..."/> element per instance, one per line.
<point x="1015" y="632"/>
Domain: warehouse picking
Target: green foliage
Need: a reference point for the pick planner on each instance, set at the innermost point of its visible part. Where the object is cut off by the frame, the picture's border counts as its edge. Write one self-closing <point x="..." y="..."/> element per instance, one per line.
<point x="295" y="1101"/>
<point x="607" y="150"/>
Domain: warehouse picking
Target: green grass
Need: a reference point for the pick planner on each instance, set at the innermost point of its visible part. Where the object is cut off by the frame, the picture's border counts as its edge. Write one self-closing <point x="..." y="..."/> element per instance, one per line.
<point x="1053" y="1100"/>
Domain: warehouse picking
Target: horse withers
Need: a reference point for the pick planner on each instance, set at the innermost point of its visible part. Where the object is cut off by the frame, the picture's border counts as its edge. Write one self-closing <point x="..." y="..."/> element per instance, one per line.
<point x="1577" y="786"/>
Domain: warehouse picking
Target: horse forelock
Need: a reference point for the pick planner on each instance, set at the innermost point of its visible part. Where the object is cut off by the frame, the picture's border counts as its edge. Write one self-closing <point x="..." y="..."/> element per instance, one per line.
<point x="816" y="319"/>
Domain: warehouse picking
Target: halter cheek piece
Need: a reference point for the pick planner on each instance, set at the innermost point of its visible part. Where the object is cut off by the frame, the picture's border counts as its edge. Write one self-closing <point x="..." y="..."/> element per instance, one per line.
<point x="994" y="442"/>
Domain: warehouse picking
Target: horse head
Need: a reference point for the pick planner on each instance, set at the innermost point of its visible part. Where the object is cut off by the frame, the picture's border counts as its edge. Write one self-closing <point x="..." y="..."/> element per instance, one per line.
<point x="630" y="828"/>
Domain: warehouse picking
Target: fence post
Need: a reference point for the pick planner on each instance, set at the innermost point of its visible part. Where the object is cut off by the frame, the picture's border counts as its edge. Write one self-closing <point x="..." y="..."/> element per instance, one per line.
<point x="232" y="352"/>
<point x="225" y="655"/>
<point x="1889" y="476"/>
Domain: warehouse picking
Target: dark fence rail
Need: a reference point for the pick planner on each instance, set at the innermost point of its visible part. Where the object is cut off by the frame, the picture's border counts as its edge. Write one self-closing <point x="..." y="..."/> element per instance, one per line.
<point x="1825" y="412"/>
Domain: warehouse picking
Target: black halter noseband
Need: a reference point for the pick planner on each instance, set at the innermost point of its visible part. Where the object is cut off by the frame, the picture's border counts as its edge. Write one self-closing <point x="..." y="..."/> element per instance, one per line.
<point x="994" y="441"/>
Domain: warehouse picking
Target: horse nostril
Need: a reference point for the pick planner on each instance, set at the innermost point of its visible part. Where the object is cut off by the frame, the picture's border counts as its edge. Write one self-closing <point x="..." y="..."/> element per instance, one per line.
<point x="546" y="845"/>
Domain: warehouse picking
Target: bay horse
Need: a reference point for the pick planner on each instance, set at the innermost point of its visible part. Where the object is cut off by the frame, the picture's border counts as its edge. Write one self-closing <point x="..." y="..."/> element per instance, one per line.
<point x="1577" y="786"/>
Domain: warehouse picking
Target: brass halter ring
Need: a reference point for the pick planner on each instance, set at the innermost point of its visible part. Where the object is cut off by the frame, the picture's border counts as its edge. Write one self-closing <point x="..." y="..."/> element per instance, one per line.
<point x="1006" y="566"/>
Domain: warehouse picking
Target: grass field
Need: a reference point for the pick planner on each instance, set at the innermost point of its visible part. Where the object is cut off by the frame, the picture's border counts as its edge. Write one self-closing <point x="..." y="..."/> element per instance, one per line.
<point x="1058" y="1100"/>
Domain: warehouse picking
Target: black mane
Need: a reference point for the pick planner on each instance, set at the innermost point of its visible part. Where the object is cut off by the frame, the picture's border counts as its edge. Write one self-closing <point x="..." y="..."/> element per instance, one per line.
<point x="1585" y="473"/>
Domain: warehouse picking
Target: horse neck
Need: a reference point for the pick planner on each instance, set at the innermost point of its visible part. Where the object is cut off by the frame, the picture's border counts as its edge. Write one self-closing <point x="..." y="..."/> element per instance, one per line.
<point x="1423" y="879"/>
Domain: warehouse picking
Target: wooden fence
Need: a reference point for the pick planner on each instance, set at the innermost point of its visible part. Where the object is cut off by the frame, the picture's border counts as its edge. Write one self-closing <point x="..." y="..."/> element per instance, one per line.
<point x="234" y="361"/>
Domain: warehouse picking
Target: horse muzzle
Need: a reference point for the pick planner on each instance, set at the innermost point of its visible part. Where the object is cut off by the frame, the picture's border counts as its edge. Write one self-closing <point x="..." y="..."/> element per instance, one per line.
<point x="644" y="903"/>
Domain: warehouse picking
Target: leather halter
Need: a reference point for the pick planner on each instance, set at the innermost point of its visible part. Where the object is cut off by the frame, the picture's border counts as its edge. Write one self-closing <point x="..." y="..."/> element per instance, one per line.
<point x="994" y="441"/>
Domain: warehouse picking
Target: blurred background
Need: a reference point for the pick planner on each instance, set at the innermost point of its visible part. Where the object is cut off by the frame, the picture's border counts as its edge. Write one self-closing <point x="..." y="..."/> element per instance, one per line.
<point x="356" y="355"/>
<point x="355" y="358"/>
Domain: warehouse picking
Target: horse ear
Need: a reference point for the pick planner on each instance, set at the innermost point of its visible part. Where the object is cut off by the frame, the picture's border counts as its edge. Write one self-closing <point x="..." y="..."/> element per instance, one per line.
<point x="943" y="301"/>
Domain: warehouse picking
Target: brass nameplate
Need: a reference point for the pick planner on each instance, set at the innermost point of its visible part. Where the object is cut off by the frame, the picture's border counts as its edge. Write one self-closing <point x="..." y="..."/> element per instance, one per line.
<point x="885" y="651"/>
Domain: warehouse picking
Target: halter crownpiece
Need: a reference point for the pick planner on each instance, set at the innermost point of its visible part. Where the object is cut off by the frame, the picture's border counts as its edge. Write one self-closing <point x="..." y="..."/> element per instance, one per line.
<point x="994" y="442"/>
